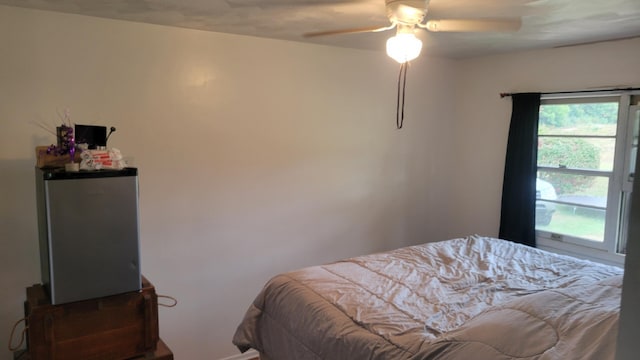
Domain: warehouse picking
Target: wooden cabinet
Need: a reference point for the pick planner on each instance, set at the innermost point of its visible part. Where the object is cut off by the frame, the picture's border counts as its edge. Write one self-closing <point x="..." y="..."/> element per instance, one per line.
<point x="117" y="327"/>
<point x="161" y="353"/>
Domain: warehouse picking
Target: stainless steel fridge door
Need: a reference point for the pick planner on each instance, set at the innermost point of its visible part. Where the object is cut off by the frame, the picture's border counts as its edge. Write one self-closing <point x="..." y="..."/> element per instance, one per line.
<point x="93" y="237"/>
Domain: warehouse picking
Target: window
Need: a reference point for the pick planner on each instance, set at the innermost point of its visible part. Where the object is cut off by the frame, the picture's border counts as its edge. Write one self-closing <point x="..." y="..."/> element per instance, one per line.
<point x="585" y="166"/>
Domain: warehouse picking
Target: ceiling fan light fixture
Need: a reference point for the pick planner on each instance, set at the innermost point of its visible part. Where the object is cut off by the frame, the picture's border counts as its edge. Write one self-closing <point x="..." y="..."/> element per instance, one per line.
<point x="404" y="47"/>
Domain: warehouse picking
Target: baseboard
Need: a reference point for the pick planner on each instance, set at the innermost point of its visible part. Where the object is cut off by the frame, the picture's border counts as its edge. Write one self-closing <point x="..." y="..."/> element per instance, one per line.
<point x="251" y="354"/>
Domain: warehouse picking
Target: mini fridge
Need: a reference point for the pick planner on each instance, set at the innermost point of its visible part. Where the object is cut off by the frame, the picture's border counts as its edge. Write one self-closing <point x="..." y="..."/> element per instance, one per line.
<point x="88" y="233"/>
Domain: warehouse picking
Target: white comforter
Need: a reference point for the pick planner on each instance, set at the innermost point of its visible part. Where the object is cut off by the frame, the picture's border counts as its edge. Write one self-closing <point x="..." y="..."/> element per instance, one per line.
<point x="472" y="298"/>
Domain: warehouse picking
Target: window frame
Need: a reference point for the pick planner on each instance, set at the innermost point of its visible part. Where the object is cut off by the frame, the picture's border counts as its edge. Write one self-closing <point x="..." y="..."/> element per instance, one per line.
<point x="617" y="194"/>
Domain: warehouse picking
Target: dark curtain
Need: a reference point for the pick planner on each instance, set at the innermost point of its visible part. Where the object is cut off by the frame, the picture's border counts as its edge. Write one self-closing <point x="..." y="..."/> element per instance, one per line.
<point x="517" y="217"/>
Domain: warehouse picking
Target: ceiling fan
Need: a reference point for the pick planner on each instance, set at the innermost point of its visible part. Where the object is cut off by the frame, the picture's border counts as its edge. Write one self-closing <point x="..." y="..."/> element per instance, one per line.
<point x="407" y="16"/>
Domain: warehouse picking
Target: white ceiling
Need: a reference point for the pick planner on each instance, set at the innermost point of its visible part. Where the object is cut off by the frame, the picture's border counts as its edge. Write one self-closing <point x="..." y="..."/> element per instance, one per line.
<point x="546" y="23"/>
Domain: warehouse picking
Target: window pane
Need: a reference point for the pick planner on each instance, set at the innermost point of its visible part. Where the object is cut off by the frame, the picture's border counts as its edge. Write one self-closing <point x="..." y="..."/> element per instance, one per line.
<point x="576" y="189"/>
<point x="578" y="206"/>
<point x="578" y="119"/>
<point x="576" y="153"/>
<point x="570" y="220"/>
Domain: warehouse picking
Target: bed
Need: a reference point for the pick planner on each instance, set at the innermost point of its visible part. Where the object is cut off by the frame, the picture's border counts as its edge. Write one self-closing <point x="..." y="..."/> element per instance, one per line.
<point x="467" y="298"/>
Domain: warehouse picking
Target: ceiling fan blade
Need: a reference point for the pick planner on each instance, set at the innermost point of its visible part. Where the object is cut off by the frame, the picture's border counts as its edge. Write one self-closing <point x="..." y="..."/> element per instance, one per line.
<point x="473" y="25"/>
<point x="349" y="31"/>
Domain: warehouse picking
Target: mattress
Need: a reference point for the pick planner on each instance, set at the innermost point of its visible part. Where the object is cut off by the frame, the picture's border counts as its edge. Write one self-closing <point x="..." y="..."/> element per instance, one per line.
<point x="473" y="297"/>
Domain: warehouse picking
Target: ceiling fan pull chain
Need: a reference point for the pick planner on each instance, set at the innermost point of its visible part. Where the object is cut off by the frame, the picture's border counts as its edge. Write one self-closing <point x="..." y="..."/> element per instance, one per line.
<point x="402" y="82"/>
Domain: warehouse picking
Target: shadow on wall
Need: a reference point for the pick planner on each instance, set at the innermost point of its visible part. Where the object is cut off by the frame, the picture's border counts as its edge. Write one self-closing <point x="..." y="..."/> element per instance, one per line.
<point x="19" y="257"/>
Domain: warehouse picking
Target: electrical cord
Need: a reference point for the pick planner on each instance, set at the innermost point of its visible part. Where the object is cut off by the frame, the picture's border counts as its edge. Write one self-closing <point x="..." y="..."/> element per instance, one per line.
<point x="13" y="330"/>
<point x="175" y="301"/>
<point x="402" y="84"/>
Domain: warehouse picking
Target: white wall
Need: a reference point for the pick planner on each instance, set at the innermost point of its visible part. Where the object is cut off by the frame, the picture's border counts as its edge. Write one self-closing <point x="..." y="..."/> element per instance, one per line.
<point x="256" y="156"/>
<point x="482" y="117"/>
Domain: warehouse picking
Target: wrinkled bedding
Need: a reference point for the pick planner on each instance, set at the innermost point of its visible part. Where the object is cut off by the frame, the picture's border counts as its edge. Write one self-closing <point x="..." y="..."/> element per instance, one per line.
<point x="467" y="298"/>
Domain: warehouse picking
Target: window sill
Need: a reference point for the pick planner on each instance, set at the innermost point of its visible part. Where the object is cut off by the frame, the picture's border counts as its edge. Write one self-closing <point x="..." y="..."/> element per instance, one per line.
<point x="579" y="251"/>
